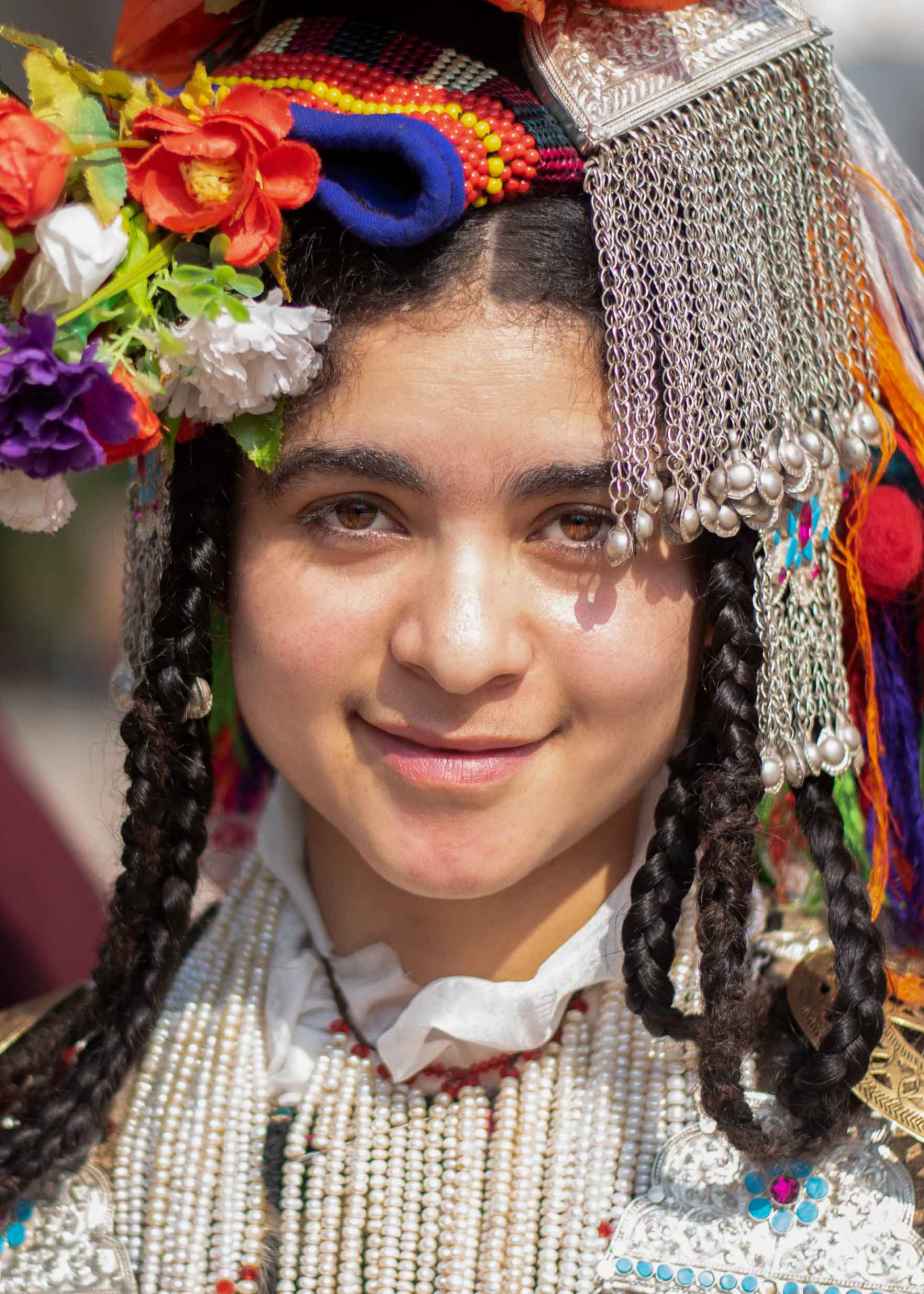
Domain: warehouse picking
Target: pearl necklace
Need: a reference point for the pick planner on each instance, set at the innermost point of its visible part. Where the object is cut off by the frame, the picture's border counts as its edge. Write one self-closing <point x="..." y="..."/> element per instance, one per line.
<point x="385" y="1190"/>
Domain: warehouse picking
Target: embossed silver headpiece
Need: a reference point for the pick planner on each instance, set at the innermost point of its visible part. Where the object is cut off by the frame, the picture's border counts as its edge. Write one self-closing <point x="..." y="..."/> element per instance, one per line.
<point x="736" y="313"/>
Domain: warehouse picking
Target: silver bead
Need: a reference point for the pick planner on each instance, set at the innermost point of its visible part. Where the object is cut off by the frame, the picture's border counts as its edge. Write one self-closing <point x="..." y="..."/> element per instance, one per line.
<point x="644" y="527"/>
<point x="771" y="772"/>
<point x="864" y="423"/>
<point x="853" y="453"/>
<point x="792" y="458"/>
<point x="690" y="525"/>
<point x="122" y="686"/>
<point x="850" y="736"/>
<point x="811" y="443"/>
<point x="708" y="510"/>
<point x="834" y="757"/>
<point x="200" y="700"/>
<point x="717" y="484"/>
<point x="812" y="756"/>
<point x="728" y="522"/>
<point x="654" y="493"/>
<point x="769" y="484"/>
<point x="741" y="478"/>
<point x="794" y="767"/>
<point x="619" y="545"/>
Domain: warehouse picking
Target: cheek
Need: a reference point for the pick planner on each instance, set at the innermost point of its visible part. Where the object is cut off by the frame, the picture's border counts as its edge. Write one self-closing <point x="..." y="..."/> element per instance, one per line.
<point x="298" y="639"/>
<point x="631" y="674"/>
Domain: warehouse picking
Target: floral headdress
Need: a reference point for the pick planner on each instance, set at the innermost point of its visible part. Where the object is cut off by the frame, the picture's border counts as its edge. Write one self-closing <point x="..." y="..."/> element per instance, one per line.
<point x="760" y="278"/>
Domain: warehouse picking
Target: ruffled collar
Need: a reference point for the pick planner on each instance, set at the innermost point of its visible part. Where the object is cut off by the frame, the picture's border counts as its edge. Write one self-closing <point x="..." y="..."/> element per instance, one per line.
<point x="456" y="1020"/>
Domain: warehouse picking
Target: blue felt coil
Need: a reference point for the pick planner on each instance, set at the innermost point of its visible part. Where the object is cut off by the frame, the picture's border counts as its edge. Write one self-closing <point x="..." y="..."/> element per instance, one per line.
<point x="392" y="181"/>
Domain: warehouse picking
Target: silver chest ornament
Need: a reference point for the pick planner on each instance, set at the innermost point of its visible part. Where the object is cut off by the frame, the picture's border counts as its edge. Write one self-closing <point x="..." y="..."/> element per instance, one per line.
<point x="66" y="1246"/>
<point x="712" y="1222"/>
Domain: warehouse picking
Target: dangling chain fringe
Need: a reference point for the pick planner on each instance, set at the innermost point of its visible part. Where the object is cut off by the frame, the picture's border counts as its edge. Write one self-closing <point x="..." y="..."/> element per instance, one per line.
<point x="738" y="344"/>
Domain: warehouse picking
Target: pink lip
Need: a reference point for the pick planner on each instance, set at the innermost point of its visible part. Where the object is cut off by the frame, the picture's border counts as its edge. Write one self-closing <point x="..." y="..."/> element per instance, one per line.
<point x="440" y="766"/>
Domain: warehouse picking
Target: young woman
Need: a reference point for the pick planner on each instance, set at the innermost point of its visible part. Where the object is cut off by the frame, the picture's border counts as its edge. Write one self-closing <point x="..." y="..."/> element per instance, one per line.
<point x="478" y="1011"/>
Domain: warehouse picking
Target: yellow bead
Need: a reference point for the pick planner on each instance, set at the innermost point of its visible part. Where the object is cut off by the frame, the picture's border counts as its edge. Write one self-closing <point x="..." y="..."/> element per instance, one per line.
<point x="346" y="102"/>
<point x="480" y="202"/>
<point x="482" y="128"/>
<point x="454" y="110"/>
<point x="495" y="166"/>
<point x="321" y="88"/>
<point x="494" y="185"/>
<point x="437" y="108"/>
<point x="332" y="95"/>
<point x="469" y="119"/>
<point x="492" y="142"/>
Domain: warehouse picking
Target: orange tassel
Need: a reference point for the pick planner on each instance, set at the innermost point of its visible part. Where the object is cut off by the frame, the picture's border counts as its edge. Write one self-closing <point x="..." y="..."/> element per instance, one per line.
<point x="846" y="553"/>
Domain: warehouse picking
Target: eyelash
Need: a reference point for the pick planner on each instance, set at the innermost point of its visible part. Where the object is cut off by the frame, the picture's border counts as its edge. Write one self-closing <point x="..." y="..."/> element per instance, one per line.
<point x="317" y="520"/>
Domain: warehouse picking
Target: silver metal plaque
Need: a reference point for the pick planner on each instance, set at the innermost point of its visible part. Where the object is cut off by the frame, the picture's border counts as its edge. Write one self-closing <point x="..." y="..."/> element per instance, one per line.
<point x="603" y="70"/>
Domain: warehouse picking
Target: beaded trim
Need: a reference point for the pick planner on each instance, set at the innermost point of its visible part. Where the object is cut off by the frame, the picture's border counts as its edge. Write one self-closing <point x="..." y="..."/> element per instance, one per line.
<point x="508" y="142"/>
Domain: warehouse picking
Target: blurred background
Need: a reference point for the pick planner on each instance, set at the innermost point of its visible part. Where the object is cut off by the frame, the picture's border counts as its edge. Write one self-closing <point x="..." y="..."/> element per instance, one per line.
<point x="60" y="755"/>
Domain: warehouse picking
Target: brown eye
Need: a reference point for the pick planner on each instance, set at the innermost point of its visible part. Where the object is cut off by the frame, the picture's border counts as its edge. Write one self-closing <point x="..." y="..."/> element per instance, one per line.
<point x="354" y="514"/>
<point x="580" y="527"/>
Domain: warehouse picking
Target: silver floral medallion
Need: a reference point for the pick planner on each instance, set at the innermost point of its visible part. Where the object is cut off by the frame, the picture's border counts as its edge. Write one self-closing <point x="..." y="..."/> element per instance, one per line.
<point x="712" y="1221"/>
<point x="67" y="1246"/>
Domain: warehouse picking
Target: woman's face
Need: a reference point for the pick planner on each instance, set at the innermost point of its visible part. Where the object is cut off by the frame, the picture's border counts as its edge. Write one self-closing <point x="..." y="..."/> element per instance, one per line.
<point x="428" y="558"/>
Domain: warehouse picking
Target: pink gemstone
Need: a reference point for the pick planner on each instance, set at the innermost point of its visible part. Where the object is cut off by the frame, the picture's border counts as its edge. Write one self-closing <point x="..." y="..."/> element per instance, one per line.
<point x="805" y="524"/>
<point x="783" y="1190"/>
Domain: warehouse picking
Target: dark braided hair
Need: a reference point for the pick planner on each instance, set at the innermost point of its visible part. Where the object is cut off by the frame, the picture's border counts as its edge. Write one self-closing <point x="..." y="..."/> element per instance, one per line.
<point x="59" y="1111"/>
<point x="538" y="255"/>
<point x="718" y="801"/>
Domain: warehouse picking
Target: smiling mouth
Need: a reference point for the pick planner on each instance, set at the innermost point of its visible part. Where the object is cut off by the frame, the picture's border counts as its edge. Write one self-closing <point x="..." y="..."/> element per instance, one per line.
<point x="420" y="763"/>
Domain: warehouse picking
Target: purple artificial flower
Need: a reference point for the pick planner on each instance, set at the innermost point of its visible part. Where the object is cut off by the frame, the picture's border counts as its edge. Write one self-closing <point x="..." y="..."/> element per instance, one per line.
<point x="53" y="415"/>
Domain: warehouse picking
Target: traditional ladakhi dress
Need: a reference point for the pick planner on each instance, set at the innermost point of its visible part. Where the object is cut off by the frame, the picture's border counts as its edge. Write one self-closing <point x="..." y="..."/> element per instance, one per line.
<point x="571" y="1156"/>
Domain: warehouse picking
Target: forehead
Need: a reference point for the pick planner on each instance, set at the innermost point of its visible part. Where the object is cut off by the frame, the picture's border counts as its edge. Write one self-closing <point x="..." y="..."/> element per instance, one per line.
<point x="468" y="399"/>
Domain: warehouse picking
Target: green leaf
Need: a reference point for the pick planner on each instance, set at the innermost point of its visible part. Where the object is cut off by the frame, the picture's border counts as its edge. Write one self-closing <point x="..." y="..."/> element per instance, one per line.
<point x="236" y="309"/>
<point x="259" y="436"/>
<point x="54" y="95"/>
<point x="218" y="248"/>
<point x="247" y="284"/>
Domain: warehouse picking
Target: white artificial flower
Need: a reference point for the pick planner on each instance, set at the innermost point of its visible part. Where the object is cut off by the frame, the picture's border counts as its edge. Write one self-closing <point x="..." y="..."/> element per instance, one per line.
<point x="76" y="256"/>
<point x="226" y="368"/>
<point x="7" y="249"/>
<point x="36" y="506"/>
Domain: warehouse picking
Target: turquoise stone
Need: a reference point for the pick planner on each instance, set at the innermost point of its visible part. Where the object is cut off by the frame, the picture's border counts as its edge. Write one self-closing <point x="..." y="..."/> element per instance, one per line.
<point x="832" y="1289"/>
<point x="801" y="1169"/>
<point x="15" y="1234"/>
<point x="664" y="1273"/>
<point x="624" y="1266"/>
<point x="816" y="1188"/>
<point x="24" y="1210"/>
<point x="749" y="1284"/>
<point x="684" y="1275"/>
<point x="760" y="1208"/>
<point x="755" y="1183"/>
<point x="2" y="1242"/>
<point x="727" y="1282"/>
<point x="644" y="1268"/>
<point x="853" y="1292"/>
<point x="781" y="1222"/>
<point x="810" y="1289"/>
<point x="807" y="1211"/>
<point x="790" y="1288"/>
<point x="706" y="1280"/>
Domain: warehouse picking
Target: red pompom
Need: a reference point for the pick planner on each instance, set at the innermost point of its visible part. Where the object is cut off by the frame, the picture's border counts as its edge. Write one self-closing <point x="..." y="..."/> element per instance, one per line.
<point x="891" y="544"/>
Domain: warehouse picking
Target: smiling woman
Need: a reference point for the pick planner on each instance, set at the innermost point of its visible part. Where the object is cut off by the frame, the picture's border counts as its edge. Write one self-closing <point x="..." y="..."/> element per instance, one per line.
<point x="481" y="658"/>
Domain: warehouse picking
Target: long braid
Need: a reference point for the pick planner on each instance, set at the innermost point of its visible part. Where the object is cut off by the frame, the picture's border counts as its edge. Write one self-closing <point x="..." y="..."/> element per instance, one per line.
<point x="730" y="794"/>
<point x="658" y="890"/>
<point x="819" y="1083"/>
<point x="168" y="761"/>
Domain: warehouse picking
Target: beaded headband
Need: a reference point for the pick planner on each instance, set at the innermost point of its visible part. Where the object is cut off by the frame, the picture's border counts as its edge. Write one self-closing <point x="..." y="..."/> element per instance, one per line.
<point x="753" y="307"/>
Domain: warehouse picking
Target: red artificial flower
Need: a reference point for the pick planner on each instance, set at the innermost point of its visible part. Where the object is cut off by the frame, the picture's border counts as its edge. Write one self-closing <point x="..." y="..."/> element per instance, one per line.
<point x="34" y="160"/>
<point x="228" y="168"/>
<point x="149" y="432"/>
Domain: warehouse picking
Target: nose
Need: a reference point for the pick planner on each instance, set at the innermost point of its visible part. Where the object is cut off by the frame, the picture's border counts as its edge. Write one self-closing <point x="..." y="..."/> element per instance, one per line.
<point x="464" y="626"/>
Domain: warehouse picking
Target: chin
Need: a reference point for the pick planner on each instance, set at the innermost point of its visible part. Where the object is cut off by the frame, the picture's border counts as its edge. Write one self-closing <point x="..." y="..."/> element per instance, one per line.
<point x="459" y="876"/>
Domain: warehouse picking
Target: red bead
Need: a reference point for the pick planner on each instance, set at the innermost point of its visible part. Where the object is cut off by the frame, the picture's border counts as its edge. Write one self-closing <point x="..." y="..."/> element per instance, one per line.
<point x="508" y="152"/>
<point x="528" y="141"/>
<point x="530" y="172"/>
<point x="495" y="199"/>
<point x="518" y="167"/>
<point x="605" y="1230"/>
<point x="224" y="1286"/>
<point x="338" y="1026"/>
<point x="579" y="1004"/>
<point x="249" y="1273"/>
<point x="532" y="156"/>
<point x="361" y="1050"/>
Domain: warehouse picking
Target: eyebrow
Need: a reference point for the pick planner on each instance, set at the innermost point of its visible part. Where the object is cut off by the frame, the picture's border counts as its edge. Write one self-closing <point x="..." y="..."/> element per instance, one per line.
<point x="387" y="467"/>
